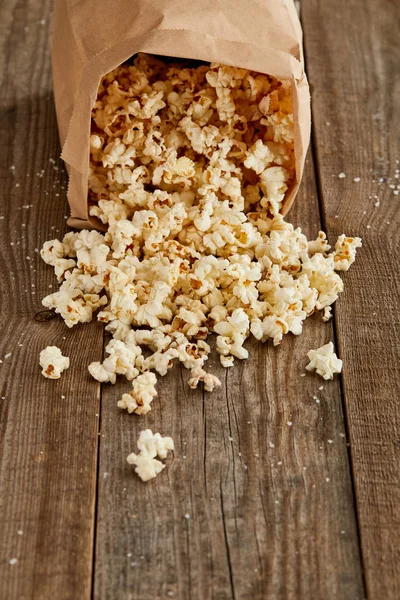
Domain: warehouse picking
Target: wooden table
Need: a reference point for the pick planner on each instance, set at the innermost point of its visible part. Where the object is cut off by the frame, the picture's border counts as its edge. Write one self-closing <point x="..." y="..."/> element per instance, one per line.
<point x="278" y="488"/>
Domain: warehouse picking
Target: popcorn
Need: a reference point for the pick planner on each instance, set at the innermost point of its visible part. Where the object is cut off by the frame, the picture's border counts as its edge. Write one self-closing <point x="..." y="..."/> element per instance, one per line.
<point x="210" y="381"/>
<point x="146" y="467"/>
<point x="189" y="168"/>
<point x="154" y="444"/>
<point x="53" y="363"/>
<point x="150" y="445"/>
<point x="273" y="184"/>
<point x="61" y="266"/>
<point x="345" y="252"/>
<point x="324" y="361"/>
<point x="259" y="157"/>
<point x="319" y="245"/>
<point x="327" y="314"/>
<point x="139" y="399"/>
<point x="74" y="306"/>
<point x="52" y="251"/>
<point x="121" y="361"/>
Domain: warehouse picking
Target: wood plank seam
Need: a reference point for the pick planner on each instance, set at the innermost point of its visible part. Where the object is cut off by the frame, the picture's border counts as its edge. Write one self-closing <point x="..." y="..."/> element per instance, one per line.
<point x="342" y="391"/>
<point x="95" y="516"/>
<point x="322" y="210"/>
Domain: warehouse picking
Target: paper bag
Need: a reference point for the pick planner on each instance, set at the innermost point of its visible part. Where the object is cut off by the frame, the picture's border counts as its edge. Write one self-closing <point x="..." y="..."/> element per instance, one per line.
<point x="92" y="37"/>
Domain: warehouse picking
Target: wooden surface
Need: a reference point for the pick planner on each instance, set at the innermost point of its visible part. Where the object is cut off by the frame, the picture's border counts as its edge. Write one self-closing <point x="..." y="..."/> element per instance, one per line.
<point x="353" y="60"/>
<point x="249" y="506"/>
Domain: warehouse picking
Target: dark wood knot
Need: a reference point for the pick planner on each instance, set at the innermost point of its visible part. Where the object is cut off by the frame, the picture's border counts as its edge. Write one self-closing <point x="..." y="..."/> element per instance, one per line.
<point x="45" y="315"/>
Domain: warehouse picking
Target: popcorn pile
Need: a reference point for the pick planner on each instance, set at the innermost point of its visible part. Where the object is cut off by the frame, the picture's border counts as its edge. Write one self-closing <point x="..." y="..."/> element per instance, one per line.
<point x="188" y="171"/>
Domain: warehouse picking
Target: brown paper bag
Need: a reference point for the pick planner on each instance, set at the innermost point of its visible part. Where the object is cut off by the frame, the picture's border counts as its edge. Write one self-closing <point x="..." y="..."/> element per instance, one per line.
<point x="92" y="37"/>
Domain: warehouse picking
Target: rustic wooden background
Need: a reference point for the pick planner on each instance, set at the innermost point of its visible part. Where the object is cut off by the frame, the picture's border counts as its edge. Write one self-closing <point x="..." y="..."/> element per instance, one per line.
<point x="249" y="506"/>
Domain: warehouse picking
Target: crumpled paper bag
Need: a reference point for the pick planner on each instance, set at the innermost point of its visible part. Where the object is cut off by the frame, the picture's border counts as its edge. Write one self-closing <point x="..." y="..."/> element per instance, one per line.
<point x="92" y="37"/>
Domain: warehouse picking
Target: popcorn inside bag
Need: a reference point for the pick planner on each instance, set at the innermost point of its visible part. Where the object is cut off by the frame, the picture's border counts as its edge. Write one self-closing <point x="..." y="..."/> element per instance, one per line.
<point x="222" y="134"/>
<point x="189" y="167"/>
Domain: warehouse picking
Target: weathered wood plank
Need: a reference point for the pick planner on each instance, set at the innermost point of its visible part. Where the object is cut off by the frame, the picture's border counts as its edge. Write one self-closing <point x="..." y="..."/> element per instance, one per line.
<point x="49" y="429"/>
<point x="353" y="59"/>
<point x="249" y="506"/>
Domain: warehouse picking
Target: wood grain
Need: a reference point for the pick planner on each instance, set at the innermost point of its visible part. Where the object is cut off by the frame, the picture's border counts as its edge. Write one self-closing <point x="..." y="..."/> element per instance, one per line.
<point x="353" y="60"/>
<point x="49" y="429"/>
<point x="249" y="506"/>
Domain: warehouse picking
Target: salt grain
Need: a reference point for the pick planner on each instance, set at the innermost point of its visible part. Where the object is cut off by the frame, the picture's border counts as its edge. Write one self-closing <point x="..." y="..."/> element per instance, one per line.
<point x="13" y="561"/>
<point x="342" y="175"/>
<point x="356" y="179"/>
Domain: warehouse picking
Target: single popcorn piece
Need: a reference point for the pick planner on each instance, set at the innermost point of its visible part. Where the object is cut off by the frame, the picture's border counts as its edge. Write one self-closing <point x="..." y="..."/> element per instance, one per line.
<point x="327" y="314"/>
<point x="121" y="361"/>
<point x="345" y="252"/>
<point x="139" y="399"/>
<point x="145" y="466"/>
<point x="210" y="381"/>
<point x="53" y="363"/>
<point x="324" y="361"/>
<point x="154" y="444"/>
<point x="150" y="446"/>
<point x="189" y="169"/>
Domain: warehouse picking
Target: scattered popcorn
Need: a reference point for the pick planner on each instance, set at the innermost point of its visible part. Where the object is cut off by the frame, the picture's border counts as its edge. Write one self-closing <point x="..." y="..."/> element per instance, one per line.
<point x="324" y="361"/>
<point x="150" y="445"/>
<point x="53" y="363"/>
<point x="342" y="175"/>
<point x="189" y="168"/>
